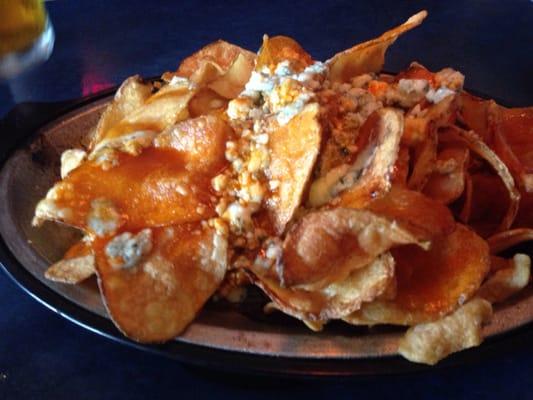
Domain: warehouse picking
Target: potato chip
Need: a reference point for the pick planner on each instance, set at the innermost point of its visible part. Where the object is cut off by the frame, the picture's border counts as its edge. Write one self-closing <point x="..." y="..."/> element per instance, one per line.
<point x="369" y="56"/>
<point x="420" y="215"/>
<point x="282" y="48"/>
<point x="431" y="283"/>
<point x="400" y="170"/>
<point x="220" y="54"/>
<point x="201" y="140"/>
<point x="503" y="240"/>
<point x="151" y="189"/>
<point x="370" y="174"/>
<point x="475" y="144"/>
<point x="431" y="342"/>
<point x="137" y="129"/>
<point x="513" y="129"/>
<point x="474" y="113"/>
<point x="131" y="95"/>
<point x="206" y="101"/>
<point x="447" y="182"/>
<point x="156" y="281"/>
<point x="507" y="281"/>
<point x="77" y="265"/>
<point x="424" y="160"/>
<point x="335" y="300"/>
<point x="293" y="152"/>
<point x="326" y="246"/>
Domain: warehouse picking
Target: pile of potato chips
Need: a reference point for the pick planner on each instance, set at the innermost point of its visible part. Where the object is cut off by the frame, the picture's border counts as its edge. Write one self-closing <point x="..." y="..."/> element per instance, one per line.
<point x="341" y="192"/>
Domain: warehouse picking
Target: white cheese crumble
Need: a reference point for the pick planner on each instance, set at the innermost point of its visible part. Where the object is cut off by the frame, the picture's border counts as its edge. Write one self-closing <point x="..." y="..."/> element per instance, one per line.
<point x="436" y="96"/>
<point x="413" y="85"/>
<point x="70" y="160"/>
<point x="103" y="218"/>
<point x="126" y="249"/>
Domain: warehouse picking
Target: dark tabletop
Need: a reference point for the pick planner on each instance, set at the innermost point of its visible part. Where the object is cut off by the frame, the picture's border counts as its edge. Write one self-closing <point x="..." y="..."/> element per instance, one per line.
<point x="99" y="43"/>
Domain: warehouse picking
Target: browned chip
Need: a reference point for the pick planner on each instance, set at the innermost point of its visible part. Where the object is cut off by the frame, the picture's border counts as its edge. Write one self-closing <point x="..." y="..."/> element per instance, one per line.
<point x="155" y="281"/>
<point x="447" y="182"/>
<point x="131" y="95"/>
<point x="369" y="56"/>
<point x="506" y="239"/>
<point x="76" y="266"/>
<point x="282" y="48"/>
<point x="422" y="216"/>
<point x="507" y="281"/>
<point x="201" y="140"/>
<point x="475" y="144"/>
<point x="424" y="160"/>
<point x="370" y="174"/>
<point x="326" y="246"/>
<point x="431" y="283"/>
<point x="431" y="342"/>
<point x="293" y="151"/>
<point x="335" y="300"/>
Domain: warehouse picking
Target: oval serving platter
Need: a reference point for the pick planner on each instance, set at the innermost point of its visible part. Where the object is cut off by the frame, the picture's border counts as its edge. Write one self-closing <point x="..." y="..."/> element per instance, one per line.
<point x="238" y="338"/>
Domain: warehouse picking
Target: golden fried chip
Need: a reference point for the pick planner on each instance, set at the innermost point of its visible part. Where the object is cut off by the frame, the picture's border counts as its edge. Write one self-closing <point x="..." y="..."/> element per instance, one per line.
<point x="326" y="246"/>
<point x="424" y="160"/>
<point x="503" y="240"/>
<point x="336" y="300"/>
<point x="206" y="101"/>
<point x="151" y="189"/>
<point x="474" y="113"/>
<point x="400" y="170"/>
<point x="131" y="95"/>
<point x="137" y="129"/>
<point x="422" y="216"/>
<point x="369" y="56"/>
<point x="293" y="152"/>
<point x="220" y="54"/>
<point x="507" y="281"/>
<point x="370" y="174"/>
<point x="431" y="342"/>
<point x="282" y="48"/>
<point x="77" y="265"/>
<point x="447" y="182"/>
<point x="513" y="129"/>
<point x="154" y="282"/>
<point x="466" y="209"/>
<point x="201" y="140"/>
<point x="232" y="83"/>
<point x="431" y="284"/>
<point x="475" y="144"/>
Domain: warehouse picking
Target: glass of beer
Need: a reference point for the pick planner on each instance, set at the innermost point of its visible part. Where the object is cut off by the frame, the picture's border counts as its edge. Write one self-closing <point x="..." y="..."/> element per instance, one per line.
<point x="26" y="36"/>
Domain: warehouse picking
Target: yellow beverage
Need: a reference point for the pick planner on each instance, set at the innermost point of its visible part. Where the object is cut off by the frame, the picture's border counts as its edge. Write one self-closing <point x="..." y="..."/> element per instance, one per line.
<point x="21" y="22"/>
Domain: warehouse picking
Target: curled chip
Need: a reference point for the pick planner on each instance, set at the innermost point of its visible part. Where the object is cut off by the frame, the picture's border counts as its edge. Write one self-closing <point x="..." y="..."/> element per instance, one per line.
<point x="138" y="128"/>
<point x="77" y="265"/>
<point x="503" y="240"/>
<point x="369" y="56"/>
<point x="508" y="281"/>
<point x="424" y="160"/>
<point x="293" y="151"/>
<point x="475" y="144"/>
<point x="431" y="342"/>
<point x="156" y="295"/>
<point x="327" y="246"/>
<point x="151" y="189"/>
<point x="370" y="174"/>
<point x="282" y="48"/>
<point x="447" y="182"/>
<point x="335" y="300"/>
<point x="131" y="95"/>
<point x="433" y="283"/>
<point x="422" y="216"/>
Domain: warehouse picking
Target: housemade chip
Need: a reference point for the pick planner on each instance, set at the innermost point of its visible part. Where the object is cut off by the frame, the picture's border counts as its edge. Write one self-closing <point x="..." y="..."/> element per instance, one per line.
<point x="327" y="246"/>
<point x="369" y="56"/>
<point x="503" y="240"/>
<point x="431" y="342"/>
<point x="369" y="176"/>
<point x="508" y="281"/>
<point x="335" y="300"/>
<point x="155" y="281"/>
<point x="433" y="283"/>
<point x="77" y="265"/>
<point x="293" y="152"/>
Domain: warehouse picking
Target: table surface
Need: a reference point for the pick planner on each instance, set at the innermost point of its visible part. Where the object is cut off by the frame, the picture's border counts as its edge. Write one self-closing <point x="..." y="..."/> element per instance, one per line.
<point x="100" y="43"/>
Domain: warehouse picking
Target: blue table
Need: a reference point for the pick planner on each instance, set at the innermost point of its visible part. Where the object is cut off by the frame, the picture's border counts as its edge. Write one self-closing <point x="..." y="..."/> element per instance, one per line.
<point x="99" y="43"/>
